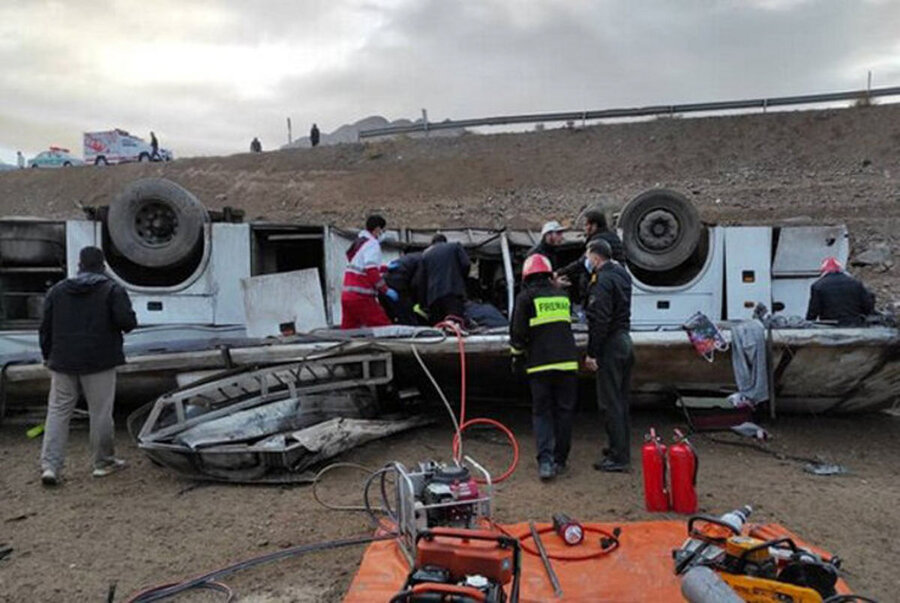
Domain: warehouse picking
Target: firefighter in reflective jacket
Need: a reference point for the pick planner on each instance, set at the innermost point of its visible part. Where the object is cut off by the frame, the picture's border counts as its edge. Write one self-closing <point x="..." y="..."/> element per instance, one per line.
<point x="542" y="344"/>
<point x="363" y="280"/>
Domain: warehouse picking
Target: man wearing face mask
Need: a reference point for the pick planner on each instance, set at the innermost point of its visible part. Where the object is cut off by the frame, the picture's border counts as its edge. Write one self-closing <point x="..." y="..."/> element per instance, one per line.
<point x="609" y="353"/>
<point x="363" y="281"/>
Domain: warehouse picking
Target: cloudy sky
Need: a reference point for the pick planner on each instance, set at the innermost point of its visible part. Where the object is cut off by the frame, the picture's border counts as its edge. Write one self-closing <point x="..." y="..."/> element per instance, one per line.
<point x="208" y="75"/>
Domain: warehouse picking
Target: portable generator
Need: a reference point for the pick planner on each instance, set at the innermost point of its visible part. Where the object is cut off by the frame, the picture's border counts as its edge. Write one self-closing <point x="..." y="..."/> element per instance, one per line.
<point x="463" y="566"/>
<point x="439" y="495"/>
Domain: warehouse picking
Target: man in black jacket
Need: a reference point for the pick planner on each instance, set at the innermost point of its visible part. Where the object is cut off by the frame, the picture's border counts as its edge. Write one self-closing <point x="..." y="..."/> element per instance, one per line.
<point x="551" y="239"/>
<point x="541" y="339"/>
<point x="839" y="297"/>
<point x="441" y="279"/>
<point x="81" y="342"/>
<point x="399" y="277"/>
<point x="595" y="229"/>
<point x="610" y="352"/>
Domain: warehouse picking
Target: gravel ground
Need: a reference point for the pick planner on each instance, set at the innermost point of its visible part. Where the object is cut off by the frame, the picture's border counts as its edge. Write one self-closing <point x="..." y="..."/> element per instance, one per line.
<point x="144" y="526"/>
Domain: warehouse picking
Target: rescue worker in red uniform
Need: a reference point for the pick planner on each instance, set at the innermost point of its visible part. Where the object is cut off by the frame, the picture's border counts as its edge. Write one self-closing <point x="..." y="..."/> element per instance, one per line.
<point x="542" y="344"/>
<point x="363" y="280"/>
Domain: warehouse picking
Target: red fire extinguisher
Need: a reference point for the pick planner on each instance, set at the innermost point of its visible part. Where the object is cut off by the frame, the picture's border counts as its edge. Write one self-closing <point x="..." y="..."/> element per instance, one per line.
<point x="653" y="459"/>
<point x="683" y="467"/>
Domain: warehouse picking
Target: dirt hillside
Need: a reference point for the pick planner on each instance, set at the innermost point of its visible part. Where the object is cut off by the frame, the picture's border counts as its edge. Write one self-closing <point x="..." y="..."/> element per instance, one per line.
<point x="838" y="165"/>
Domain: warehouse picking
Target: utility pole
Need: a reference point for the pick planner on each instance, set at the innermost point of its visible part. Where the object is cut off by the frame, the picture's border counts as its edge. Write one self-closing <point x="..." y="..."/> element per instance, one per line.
<point x="425" y="121"/>
<point x="290" y="138"/>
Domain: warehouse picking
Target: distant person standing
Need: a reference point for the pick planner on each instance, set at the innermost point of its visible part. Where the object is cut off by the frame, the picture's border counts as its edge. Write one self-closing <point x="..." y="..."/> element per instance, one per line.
<point x="154" y="147"/>
<point x="20" y="160"/>
<point x="314" y="136"/>
<point x="255" y="145"/>
<point x="81" y="342"/>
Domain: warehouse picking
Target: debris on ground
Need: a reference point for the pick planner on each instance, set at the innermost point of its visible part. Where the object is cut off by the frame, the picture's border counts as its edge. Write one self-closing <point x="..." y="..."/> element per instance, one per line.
<point x="825" y="469"/>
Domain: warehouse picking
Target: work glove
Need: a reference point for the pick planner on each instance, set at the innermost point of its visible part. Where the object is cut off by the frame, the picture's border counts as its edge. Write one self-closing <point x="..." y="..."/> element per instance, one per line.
<point x="392" y="295"/>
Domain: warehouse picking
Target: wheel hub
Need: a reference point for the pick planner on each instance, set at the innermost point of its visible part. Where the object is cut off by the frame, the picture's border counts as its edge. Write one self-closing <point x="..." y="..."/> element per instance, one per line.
<point x="156" y="224"/>
<point x="658" y="230"/>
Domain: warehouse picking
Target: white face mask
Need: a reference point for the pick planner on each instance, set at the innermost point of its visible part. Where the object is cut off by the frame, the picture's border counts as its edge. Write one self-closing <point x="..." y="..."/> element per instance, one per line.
<point x="588" y="265"/>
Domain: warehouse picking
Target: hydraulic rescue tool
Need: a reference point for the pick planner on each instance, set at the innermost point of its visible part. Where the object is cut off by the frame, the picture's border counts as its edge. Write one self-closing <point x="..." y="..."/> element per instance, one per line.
<point x="757" y="570"/>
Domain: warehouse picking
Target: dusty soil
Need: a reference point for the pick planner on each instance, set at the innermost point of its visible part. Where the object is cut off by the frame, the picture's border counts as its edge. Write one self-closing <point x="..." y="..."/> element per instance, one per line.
<point x="145" y="526"/>
<point x="828" y="166"/>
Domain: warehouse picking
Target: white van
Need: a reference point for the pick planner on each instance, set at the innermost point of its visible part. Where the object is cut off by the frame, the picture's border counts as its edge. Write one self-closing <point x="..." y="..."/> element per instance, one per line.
<point x="118" y="146"/>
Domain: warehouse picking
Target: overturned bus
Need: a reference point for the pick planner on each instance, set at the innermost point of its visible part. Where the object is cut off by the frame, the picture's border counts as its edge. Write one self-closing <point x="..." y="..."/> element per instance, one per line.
<point x="212" y="292"/>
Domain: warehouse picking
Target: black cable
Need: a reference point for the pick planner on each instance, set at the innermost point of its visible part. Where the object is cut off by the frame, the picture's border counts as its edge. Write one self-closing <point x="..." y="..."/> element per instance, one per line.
<point x="760" y="448"/>
<point x="162" y="592"/>
<point x="752" y="445"/>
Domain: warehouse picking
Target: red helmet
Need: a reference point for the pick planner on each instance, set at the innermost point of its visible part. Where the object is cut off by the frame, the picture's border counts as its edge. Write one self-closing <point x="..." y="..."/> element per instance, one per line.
<point x="830" y="265"/>
<point x="536" y="264"/>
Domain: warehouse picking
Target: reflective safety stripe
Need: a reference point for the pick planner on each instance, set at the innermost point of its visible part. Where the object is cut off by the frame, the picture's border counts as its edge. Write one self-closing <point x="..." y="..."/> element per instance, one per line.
<point x="558" y="366"/>
<point x="550" y="309"/>
<point x="515" y="351"/>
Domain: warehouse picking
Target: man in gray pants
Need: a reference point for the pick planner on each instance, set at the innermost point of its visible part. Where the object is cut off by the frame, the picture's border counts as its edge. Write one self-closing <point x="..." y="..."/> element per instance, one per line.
<point x="81" y="341"/>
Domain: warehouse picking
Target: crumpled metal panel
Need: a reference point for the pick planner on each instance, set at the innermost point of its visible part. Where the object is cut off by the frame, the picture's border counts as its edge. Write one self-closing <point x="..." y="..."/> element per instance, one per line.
<point x="801" y="249"/>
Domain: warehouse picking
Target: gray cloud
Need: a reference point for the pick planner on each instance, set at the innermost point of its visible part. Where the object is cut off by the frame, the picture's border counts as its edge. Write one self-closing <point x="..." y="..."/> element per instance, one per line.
<point x="208" y="76"/>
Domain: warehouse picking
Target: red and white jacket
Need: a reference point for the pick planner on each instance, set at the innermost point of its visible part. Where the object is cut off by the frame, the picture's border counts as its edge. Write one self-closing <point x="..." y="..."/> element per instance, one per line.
<point x="363" y="275"/>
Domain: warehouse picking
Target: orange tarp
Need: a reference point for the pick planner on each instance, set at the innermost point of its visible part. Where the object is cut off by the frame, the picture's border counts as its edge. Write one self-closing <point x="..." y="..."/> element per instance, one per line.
<point x="641" y="569"/>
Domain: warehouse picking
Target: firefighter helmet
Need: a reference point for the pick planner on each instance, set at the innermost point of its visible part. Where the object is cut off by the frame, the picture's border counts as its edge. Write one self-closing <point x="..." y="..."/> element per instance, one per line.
<point x="536" y="264"/>
<point x="831" y="265"/>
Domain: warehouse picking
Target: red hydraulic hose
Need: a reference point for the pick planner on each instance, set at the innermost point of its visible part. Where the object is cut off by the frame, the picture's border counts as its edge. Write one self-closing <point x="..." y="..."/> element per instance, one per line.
<point x="463" y="422"/>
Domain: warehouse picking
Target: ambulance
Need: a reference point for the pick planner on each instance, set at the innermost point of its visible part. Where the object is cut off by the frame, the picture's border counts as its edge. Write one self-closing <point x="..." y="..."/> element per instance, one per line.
<point x="118" y="146"/>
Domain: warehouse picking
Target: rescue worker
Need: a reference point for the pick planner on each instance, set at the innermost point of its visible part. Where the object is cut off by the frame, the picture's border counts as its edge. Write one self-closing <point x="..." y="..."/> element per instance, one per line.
<point x="363" y="281"/>
<point x="839" y="297"/>
<point x="542" y="344"/>
<point x="400" y="277"/>
<point x="314" y="136"/>
<point x="595" y="229"/>
<point x="551" y="239"/>
<point x="441" y="280"/>
<point x="81" y="342"/>
<point x="609" y="351"/>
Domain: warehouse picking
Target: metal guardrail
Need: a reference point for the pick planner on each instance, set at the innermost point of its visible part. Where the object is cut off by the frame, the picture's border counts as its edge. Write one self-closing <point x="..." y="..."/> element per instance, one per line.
<point x="757" y="103"/>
